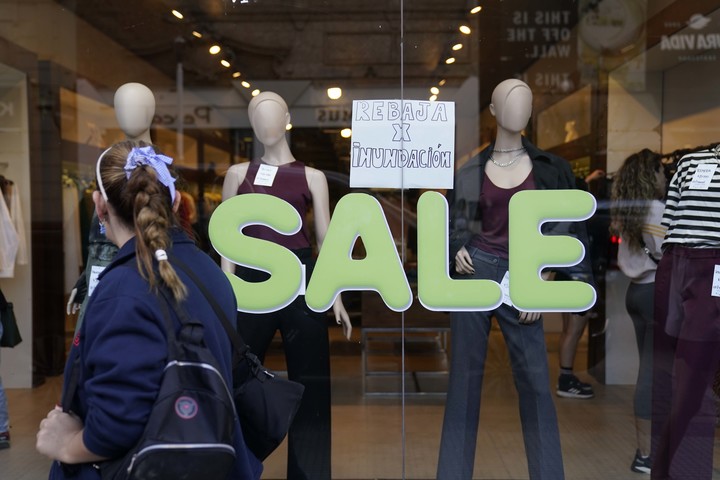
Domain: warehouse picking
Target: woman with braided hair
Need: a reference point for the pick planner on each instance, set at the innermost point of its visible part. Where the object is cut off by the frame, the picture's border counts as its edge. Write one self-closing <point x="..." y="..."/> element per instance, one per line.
<point x="637" y="207"/>
<point x="121" y="347"/>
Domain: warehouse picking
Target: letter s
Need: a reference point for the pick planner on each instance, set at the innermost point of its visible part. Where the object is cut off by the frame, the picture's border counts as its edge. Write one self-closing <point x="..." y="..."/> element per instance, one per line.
<point x="286" y="274"/>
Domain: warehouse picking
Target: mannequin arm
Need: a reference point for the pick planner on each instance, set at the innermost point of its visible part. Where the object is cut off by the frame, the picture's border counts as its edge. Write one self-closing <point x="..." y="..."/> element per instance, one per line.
<point x="318" y="186"/>
<point x="233" y="179"/>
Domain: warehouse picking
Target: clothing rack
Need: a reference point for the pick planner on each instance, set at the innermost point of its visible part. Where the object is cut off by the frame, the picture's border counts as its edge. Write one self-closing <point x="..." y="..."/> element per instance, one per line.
<point x="678" y="154"/>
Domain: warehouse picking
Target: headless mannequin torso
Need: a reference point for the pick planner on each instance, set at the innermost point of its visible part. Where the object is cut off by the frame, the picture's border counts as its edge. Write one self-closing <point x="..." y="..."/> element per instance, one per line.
<point x="269" y="116"/>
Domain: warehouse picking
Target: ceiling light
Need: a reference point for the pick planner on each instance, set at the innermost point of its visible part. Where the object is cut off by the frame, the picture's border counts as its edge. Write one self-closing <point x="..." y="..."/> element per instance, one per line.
<point x="214" y="50"/>
<point x="450" y="60"/>
<point x="256" y="92"/>
<point x="197" y="34"/>
<point x="457" y="46"/>
<point x="442" y="82"/>
<point x="334" y="93"/>
<point x="346" y="133"/>
<point x="236" y="74"/>
<point x="245" y="84"/>
<point x="434" y="90"/>
<point x="475" y="10"/>
<point x="465" y="29"/>
<point x="178" y="14"/>
<point x="225" y="63"/>
<point x="433" y="98"/>
<point x="288" y="127"/>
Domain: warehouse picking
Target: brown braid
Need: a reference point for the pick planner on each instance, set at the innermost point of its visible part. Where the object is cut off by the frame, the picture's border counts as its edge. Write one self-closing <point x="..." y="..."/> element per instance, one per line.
<point x="144" y="203"/>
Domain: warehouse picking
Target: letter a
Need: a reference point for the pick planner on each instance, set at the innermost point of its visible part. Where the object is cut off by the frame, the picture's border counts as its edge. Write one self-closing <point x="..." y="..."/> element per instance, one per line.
<point x="358" y="215"/>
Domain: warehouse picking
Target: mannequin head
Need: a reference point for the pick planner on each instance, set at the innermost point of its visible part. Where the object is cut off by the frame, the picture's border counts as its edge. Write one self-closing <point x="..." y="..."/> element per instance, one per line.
<point x="269" y="116"/>
<point x="512" y="105"/>
<point x="134" y="110"/>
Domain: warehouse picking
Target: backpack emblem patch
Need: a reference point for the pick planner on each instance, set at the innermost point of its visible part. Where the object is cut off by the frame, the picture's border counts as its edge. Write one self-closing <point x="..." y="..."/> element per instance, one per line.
<point x="186" y="408"/>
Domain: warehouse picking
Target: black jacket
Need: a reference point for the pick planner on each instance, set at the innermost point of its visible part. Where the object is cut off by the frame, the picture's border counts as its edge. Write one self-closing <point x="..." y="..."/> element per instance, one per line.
<point x="550" y="172"/>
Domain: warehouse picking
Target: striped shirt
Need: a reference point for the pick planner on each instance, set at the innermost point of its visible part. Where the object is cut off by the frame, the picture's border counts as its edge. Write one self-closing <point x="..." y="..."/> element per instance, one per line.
<point x="692" y="209"/>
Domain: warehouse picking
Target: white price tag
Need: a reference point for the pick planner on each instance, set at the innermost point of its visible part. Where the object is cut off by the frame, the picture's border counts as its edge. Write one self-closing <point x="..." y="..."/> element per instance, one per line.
<point x="266" y="175"/>
<point x="716" y="282"/>
<point x="95" y="272"/>
<point x="505" y="287"/>
<point x="702" y="177"/>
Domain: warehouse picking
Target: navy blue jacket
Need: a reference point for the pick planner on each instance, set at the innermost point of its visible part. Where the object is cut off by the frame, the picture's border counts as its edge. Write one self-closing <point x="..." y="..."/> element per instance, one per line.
<point x="549" y="171"/>
<point x="123" y="350"/>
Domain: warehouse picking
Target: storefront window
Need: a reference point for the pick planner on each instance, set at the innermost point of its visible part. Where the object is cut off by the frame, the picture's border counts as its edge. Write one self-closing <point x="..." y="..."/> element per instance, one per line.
<point x="602" y="80"/>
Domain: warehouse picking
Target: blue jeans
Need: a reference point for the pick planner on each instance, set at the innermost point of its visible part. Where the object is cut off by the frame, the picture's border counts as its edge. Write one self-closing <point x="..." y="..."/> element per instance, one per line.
<point x="4" y="416"/>
<point x="528" y="357"/>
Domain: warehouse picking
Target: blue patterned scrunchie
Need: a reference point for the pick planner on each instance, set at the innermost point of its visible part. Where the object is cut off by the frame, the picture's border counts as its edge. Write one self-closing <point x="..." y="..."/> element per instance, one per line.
<point x="148" y="156"/>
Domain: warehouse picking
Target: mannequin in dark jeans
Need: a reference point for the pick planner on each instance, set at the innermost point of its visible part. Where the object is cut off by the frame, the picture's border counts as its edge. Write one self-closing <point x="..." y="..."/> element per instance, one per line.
<point x="478" y="206"/>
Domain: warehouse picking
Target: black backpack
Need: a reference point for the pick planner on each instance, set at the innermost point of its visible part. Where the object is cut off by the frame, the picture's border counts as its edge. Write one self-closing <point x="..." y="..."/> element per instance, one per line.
<point x="189" y="433"/>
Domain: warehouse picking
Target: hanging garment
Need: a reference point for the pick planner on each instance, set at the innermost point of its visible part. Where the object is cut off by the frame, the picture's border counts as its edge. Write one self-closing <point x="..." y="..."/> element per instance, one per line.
<point x="72" y="243"/>
<point x="8" y="242"/>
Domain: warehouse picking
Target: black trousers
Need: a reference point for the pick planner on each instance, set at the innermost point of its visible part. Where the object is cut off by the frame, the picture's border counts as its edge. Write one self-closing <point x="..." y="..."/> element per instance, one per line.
<point x="307" y="356"/>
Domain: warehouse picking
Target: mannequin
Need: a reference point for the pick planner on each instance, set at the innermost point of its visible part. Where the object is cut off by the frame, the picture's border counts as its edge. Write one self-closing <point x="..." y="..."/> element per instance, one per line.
<point x="134" y="110"/>
<point x="686" y="339"/>
<point x="479" y="250"/>
<point x="304" y="332"/>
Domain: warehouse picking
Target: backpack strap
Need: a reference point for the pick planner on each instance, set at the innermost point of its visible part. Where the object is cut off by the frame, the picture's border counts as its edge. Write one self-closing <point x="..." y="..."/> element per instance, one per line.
<point x="239" y="346"/>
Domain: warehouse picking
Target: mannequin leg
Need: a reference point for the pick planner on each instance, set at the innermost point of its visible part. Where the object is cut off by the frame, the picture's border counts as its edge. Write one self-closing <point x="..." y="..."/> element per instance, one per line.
<point x="528" y="357"/>
<point x="468" y="350"/>
<point x="663" y="359"/>
<point x="307" y="351"/>
<point x="257" y="331"/>
<point x="684" y="449"/>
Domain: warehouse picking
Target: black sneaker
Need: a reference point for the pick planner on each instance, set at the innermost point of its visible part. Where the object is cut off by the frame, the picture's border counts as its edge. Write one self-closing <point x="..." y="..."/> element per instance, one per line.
<point x="570" y="387"/>
<point x="4" y="440"/>
<point x="640" y="464"/>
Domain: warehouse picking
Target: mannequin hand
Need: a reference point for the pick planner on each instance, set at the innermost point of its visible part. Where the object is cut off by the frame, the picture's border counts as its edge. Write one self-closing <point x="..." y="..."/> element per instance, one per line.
<point x="527" y="318"/>
<point x="72" y="307"/>
<point x="55" y="433"/>
<point x="463" y="262"/>
<point x="342" y="317"/>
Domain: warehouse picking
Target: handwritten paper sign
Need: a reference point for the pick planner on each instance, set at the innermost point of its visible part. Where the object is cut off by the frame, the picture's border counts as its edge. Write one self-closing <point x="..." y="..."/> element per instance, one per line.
<point x="402" y="144"/>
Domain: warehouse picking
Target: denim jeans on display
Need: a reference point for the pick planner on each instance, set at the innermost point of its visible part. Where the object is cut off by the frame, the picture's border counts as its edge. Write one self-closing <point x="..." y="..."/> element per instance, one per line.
<point x="528" y="357"/>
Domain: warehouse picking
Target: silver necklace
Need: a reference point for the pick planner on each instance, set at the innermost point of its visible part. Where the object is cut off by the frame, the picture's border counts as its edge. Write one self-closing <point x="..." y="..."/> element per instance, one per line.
<point x="508" y="150"/>
<point x="515" y="158"/>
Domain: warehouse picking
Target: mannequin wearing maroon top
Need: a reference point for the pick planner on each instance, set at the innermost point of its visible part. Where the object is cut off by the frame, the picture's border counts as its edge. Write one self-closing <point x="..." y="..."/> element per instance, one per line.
<point x="304" y="332"/>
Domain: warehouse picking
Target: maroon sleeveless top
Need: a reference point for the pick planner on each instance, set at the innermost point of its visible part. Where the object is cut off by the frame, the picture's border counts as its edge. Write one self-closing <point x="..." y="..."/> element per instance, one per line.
<point x="290" y="184"/>
<point x="494" y="207"/>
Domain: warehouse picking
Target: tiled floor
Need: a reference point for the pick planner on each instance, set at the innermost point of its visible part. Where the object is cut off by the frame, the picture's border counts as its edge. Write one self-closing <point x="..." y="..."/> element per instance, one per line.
<point x="597" y="435"/>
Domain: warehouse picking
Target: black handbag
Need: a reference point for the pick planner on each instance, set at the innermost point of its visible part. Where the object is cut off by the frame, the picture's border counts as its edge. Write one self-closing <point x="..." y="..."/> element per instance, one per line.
<point x="266" y="404"/>
<point x="11" y="333"/>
